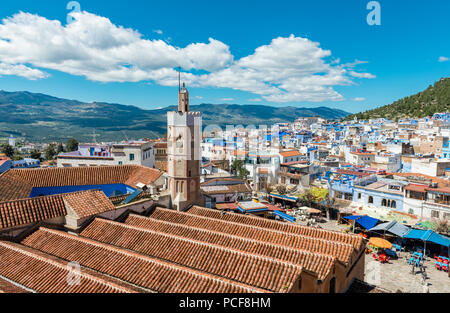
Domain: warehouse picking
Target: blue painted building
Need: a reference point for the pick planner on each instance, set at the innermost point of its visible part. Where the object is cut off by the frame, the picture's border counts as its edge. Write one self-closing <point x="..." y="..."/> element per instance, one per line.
<point x="27" y="163"/>
<point x="5" y="164"/>
<point x="386" y="193"/>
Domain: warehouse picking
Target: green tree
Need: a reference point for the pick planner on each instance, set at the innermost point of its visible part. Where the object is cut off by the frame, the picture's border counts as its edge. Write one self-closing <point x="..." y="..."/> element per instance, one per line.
<point x="50" y="152"/>
<point x="8" y="151"/>
<point x="72" y="145"/>
<point x="281" y="189"/>
<point x="17" y="157"/>
<point x="34" y="154"/>
<point x="238" y="167"/>
<point x="60" y="148"/>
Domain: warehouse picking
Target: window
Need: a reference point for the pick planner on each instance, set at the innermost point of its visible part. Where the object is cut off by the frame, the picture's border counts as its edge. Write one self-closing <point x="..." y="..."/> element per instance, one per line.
<point x="120" y="162"/>
<point x="434" y="214"/>
<point x="370" y="199"/>
<point x="384" y="202"/>
<point x="359" y="195"/>
<point x="393" y="204"/>
<point x="131" y="156"/>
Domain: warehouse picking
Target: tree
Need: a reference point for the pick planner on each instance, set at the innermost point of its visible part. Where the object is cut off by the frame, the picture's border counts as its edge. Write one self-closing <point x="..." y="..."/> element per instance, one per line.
<point x="34" y="154"/>
<point x="50" y="152"/>
<point x="8" y="151"/>
<point x="238" y="167"/>
<point x="269" y="188"/>
<point x="60" y="148"/>
<point x="281" y="189"/>
<point x="72" y="145"/>
<point x="442" y="226"/>
<point x="17" y="157"/>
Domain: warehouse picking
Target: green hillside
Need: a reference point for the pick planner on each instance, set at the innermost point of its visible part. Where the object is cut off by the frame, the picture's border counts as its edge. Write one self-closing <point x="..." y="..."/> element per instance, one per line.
<point x="432" y="100"/>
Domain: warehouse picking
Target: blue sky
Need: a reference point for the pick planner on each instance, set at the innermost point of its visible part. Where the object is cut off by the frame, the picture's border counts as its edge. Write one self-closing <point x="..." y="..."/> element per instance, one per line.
<point x="402" y="56"/>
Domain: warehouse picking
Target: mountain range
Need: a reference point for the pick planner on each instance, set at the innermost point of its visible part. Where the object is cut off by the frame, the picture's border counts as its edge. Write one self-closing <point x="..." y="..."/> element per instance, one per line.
<point x="43" y="118"/>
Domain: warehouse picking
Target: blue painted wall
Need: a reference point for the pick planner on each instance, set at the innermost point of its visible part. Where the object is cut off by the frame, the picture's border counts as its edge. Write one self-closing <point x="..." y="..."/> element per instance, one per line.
<point x="107" y="189"/>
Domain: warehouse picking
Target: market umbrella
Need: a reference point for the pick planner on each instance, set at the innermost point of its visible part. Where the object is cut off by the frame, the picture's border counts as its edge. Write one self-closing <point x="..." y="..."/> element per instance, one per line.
<point x="380" y="243"/>
<point x="314" y="211"/>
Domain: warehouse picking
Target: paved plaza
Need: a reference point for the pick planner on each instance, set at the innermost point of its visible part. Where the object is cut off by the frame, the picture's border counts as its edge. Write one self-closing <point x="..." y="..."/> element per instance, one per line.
<point x="397" y="276"/>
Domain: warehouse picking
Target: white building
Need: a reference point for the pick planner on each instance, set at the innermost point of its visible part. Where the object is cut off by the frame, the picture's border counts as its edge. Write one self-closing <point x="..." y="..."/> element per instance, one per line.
<point x="126" y="153"/>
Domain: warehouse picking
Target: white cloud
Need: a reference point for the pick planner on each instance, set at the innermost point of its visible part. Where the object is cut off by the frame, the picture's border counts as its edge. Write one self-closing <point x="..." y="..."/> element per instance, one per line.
<point x="287" y="69"/>
<point x="22" y="71"/>
<point x="359" y="99"/>
<point x="158" y="31"/>
<point x="443" y="59"/>
<point x="361" y="75"/>
<point x="226" y="99"/>
<point x="255" y="100"/>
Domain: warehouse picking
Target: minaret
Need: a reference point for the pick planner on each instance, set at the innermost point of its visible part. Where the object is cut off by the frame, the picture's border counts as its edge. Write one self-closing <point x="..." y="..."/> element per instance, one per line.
<point x="183" y="100"/>
<point x="184" y="156"/>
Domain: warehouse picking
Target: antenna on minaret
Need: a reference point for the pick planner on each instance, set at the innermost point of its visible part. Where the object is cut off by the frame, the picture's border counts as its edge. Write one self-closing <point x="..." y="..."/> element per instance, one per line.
<point x="179" y="78"/>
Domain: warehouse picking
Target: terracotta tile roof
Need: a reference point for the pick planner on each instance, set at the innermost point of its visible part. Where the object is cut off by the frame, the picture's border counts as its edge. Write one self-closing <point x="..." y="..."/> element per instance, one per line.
<point x="341" y="251"/>
<point x="416" y="187"/>
<point x="88" y="203"/>
<point x="295" y="162"/>
<point x="226" y="206"/>
<point x="316" y="263"/>
<point x="162" y="165"/>
<point x="44" y="273"/>
<point x="26" y="211"/>
<point x="290" y="228"/>
<point x="8" y="287"/>
<point x="18" y="183"/>
<point x="441" y="182"/>
<point x="12" y="188"/>
<point x="348" y="172"/>
<point x="141" y="270"/>
<point x="246" y="268"/>
<point x="290" y="153"/>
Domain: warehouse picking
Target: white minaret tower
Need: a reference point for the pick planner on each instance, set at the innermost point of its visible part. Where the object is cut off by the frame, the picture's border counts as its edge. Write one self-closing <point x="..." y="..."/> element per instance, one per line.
<point x="184" y="155"/>
<point x="12" y="141"/>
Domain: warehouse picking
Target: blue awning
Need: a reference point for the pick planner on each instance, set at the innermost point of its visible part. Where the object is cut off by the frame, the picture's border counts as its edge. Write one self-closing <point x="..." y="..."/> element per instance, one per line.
<point x="252" y="210"/>
<point x="418" y="234"/>
<point x="293" y="199"/>
<point x="439" y="239"/>
<point x="365" y="221"/>
<point x="285" y="216"/>
<point x="428" y="235"/>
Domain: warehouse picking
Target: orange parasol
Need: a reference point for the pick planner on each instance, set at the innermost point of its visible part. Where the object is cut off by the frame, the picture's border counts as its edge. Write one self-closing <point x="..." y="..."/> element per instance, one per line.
<point x="314" y="211"/>
<point x="380" y="243"/>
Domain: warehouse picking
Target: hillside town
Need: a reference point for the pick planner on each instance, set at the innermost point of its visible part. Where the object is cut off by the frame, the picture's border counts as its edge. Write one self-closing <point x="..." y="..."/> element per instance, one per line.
<point x="312" y="206"/>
